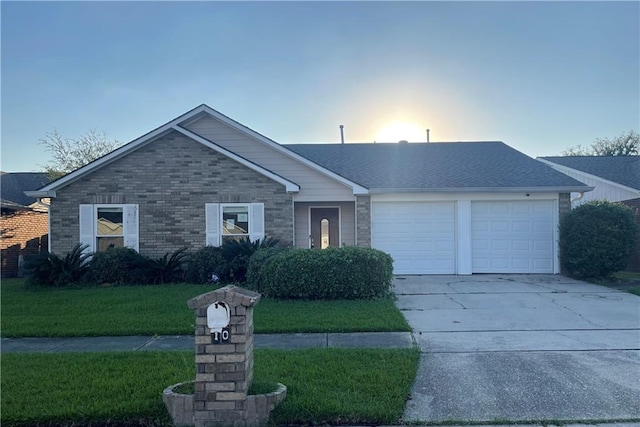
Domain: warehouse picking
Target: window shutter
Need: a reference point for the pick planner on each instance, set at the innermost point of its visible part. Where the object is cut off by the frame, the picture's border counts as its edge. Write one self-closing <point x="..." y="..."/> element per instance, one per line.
<point x="131" y="239"/>
<point x="212" y="224"/>
<point x="87" y="235"/>
<point x="256" y="225"/>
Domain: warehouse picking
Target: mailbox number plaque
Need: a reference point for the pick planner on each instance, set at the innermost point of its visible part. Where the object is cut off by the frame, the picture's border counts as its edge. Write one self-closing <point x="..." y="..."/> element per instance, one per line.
<point x="221" y="337"/>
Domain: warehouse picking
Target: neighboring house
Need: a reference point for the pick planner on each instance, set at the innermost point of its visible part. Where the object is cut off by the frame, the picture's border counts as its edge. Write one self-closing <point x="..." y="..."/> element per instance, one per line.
<point x="615" y="178"/>
<point x="202" y="178"/>
<point x="23" y="223"/>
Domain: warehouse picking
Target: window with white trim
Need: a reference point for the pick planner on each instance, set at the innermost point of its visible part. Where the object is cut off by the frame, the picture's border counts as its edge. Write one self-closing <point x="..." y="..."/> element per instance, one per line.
<point x="233" y="221"/>
<point x="107" y="226"/>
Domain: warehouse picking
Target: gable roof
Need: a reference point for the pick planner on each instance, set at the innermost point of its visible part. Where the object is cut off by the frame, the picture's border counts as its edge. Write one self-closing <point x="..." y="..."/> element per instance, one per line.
<point x="177" y="125"/>
<point x="14" y="184"/>
<point x="624" y="170"/>
<point x="457" y="166"/>
<point x="173" y="125"/>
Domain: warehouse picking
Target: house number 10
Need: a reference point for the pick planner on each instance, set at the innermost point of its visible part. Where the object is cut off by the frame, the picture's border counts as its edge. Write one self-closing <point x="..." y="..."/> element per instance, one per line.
<point x="220" y="337"/>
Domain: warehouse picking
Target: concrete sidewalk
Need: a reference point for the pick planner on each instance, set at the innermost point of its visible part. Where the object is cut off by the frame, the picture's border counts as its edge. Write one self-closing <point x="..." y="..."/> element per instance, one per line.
<point x="186" y="342"/>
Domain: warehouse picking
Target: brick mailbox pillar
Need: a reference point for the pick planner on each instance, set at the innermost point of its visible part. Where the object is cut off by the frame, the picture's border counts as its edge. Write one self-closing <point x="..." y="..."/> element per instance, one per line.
<point x="224" y="364"/>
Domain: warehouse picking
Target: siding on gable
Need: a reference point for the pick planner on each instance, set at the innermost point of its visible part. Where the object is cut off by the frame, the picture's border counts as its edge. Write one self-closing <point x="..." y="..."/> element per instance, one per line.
<point x="347" y="219"/>
<point x="171" y="179"/>
<point x="314" y="186"/>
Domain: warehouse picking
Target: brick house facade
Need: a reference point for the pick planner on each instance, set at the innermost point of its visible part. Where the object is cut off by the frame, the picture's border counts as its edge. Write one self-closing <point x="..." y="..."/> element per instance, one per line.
<point x="170" y="181"/>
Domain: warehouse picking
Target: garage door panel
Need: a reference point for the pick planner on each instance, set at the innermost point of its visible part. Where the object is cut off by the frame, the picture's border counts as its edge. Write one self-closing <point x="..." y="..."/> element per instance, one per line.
<point x="419" y="236"/>
<point x="520" y="239"/>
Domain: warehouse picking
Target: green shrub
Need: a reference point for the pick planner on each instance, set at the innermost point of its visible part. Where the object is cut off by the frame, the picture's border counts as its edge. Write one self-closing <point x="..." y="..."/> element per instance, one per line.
<point x="54" y="271"/>
<point x="204" y="263"/>
<point x="238" y="252"/>
<point x="255" y="269"/>
<point x="166" y="269"/>
<point x="118" y="265"/>
<point x="596" y="239"/>
<point x="332" y="273"/>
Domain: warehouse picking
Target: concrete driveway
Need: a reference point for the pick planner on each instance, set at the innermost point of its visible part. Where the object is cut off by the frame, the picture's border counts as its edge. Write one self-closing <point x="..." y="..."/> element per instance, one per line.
<point x="521" y="348"/>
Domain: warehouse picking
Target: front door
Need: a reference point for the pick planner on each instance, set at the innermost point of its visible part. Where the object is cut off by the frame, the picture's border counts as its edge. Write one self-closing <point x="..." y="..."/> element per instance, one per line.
<point x="325" y="227"/>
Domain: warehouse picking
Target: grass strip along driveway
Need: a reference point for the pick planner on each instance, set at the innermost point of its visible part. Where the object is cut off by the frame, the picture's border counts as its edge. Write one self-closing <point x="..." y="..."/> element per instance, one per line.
<point x="162" y="310"/>
<point x="325" y="386"/>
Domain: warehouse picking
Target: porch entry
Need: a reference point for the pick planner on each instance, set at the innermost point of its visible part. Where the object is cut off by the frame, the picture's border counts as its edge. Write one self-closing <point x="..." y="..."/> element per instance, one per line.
<point x="325" y="227"/>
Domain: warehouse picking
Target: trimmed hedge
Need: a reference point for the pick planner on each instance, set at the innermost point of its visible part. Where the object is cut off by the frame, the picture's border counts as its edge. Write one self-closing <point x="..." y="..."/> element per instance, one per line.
<point x="596" y="239"/>
<point x="255" y="269"/>
<point x="120" y="265"/>
<point x="332" y="273"/>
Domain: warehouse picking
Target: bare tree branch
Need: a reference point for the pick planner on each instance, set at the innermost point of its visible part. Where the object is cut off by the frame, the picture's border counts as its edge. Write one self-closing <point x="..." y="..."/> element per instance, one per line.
<point x="69" y="154"/>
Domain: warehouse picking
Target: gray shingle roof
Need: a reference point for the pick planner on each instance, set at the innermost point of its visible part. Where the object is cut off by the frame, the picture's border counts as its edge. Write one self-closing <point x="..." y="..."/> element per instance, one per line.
<point x="13" y="185"/>
<point x="435" y="166"/>
<point x="624" y="170"/>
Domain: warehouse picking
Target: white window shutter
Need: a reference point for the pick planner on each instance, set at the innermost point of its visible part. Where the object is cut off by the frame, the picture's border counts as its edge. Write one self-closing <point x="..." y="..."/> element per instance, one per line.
<point x="212" y="224"/>
<point x="131" y="228"/>
<point x="257" y="221"/>
<point x="87" y="222"/>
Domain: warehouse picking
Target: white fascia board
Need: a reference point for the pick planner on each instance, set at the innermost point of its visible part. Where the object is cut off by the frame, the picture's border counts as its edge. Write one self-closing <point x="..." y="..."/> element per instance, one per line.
<point x="291" y="187"/>
<point x="40" y="193"/>
<point x="357" y="189"/>
<point x="564" y="169"/>
<point x="484" y="190"/>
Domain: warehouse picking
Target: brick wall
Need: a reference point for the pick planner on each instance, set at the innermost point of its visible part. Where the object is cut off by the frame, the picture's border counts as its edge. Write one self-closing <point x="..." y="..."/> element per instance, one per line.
<point x="23" y="233"/>
<point x="564" y="205"/>
<point x="171" y="179"/>
<point x="363" y="219"/>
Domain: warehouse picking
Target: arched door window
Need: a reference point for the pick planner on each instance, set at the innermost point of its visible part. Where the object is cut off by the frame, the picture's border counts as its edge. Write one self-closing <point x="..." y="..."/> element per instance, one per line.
<point x="324" y="233"/>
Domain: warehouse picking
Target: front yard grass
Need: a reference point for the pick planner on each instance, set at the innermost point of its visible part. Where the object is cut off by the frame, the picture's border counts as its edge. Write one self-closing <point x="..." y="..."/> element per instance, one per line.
<point x="325" y="386"/>
<point x="162" y="310"/>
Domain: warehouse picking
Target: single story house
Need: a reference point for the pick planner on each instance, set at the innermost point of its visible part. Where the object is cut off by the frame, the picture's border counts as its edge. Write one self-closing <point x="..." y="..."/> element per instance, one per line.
<point x="203" y="178"/>
<point x="23" y="222"/>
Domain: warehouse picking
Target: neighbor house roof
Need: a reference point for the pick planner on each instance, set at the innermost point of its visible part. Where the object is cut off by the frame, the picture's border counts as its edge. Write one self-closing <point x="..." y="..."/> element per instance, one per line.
<point x="623" y="170"/>
<point x="456" y="166"/>
<point x="14" y="184"/>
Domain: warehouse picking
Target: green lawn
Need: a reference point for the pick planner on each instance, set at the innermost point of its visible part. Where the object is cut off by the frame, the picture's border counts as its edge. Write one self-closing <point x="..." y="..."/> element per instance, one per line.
<point x="333" y="386"/>
<point x="162" y="310"/>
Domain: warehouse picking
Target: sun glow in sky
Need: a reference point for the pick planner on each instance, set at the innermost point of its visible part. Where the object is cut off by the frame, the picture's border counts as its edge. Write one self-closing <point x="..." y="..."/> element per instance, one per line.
<point x="397" y="131"/>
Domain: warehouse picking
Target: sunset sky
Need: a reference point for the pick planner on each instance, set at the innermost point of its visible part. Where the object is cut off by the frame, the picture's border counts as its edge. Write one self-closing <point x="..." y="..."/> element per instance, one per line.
<point x="540" y="76"/>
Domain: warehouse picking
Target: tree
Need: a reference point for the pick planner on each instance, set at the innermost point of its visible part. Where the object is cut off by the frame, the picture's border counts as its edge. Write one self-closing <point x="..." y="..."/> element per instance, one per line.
<point x="625" y="144"/>
<point x="70" y="154"/>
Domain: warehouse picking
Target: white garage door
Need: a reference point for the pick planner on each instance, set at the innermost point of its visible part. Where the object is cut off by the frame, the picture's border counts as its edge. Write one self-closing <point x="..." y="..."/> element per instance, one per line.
<point x="512" y="237"/>
<point x="419" y="236"/>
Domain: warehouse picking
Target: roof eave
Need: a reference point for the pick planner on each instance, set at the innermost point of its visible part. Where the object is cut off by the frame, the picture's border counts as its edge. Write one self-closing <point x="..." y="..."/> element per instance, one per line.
<point x="484" y="190"/>
<point x="40" y="193"/>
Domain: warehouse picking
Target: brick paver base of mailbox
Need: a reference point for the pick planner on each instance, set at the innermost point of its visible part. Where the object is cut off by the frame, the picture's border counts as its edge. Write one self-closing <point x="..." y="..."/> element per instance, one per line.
<point x="224" y="370"/>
